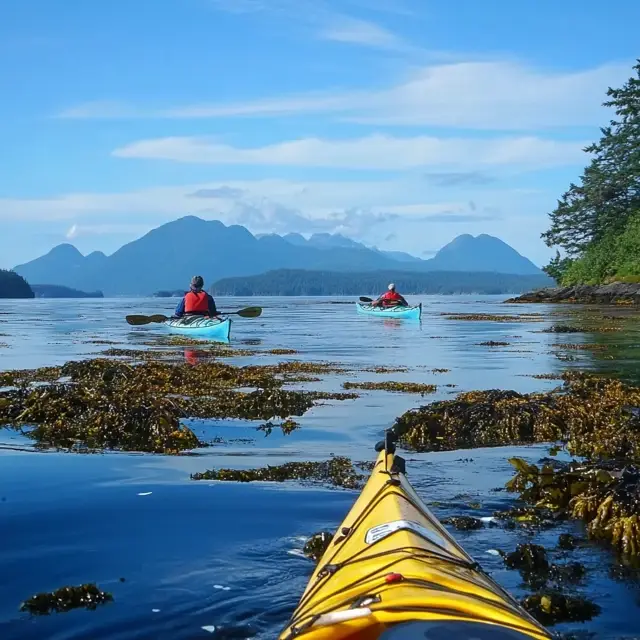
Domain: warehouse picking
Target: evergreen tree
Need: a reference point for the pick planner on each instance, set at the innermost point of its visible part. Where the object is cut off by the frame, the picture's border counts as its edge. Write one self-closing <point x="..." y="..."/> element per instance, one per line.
<point x="14" y="286"/>
<point x="608" y="196"/>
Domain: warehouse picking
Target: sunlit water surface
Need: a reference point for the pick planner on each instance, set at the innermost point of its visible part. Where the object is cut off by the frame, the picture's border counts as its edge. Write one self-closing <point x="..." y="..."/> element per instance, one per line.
<point x="182" y="557"/>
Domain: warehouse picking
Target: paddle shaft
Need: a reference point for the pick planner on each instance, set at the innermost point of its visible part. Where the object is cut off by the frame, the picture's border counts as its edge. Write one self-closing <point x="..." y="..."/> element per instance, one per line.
<point x="369" y="301"/>
<point x="247" y="312"/>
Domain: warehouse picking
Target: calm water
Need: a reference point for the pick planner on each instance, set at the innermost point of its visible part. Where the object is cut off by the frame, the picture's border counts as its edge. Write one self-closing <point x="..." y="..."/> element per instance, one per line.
<point x="189" y="556"/>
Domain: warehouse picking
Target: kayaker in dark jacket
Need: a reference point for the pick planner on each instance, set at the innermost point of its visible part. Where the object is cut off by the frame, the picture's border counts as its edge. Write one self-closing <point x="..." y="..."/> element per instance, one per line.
<point x="391" y="299"/>
<point x="196" y="301"/>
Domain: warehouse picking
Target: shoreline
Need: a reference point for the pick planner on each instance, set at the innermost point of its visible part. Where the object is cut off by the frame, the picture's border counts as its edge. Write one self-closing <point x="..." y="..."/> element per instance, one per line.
<point x="616" y="293"/>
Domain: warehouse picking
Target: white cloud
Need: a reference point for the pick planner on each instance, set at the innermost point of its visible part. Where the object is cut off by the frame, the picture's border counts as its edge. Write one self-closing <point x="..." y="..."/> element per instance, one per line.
<point x="324" y="19"/>
<point x="375" y="152"/>
<point x="101" y="109"/>
<point x="495" y="95"/>
<point x="407" y="197"/>
<point x="362" y="32"/>
<point x="406" y="210"/>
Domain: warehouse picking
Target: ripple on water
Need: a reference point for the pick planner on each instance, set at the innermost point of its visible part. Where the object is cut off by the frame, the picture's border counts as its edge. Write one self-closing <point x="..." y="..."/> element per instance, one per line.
<point x="224" y="560"/>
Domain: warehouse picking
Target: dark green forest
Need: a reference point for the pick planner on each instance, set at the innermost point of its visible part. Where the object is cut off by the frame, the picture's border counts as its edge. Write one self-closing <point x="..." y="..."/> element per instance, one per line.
<point x="596" y="223"/>
<point x="58" y="291"/>
<point x="297" y="282"/>
<point x="14" y="286"/>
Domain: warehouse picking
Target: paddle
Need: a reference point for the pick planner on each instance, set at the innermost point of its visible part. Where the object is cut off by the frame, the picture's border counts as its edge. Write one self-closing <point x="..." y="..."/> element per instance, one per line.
<point x="365" y="299"/>
<point x="247" y="312"/>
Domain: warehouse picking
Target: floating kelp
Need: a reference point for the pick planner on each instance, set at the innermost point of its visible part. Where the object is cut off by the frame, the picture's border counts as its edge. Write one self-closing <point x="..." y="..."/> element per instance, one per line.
<point x="485" y="317"/>
<point x="528" y="559"/>
<point x="287" y="427"/>
<point x="317" y="544"/>
<point x="106" y="403"/>
<point x="282" y="352"/>
<point x="604" y="495"/>
<point x="567" y="542"/>
<point x="552" y="607"/>
<point x="587" y="413"/>
<point x="338" y="471"/>
<point x="367" y="465"/>
<point x="567" y="376"/>
<point x="26" y="376"/>
<point x="528" y="517"/>
<point x="563" y="328"/>
<point x="493" y="343"/>
<point x="464" y="523"/>
<point x="478" y="419"/>
<point x="212" y="349"/>
<point x="564" y="357"/>
<point x="86" y="596"/>
<point x="390" y="385"/>
<point x="580" y="347"/>
<point x="532" y="562"/>
<point x="385" y="369"/>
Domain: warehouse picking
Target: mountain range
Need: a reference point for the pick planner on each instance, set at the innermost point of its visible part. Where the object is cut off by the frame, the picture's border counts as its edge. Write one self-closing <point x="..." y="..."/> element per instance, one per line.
<point x="167" y="257"/>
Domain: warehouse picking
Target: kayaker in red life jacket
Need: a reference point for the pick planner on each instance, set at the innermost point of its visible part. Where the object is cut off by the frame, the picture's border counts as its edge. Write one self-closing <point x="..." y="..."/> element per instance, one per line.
<point x="196" y="302"/>
<point x="390" y="299"/>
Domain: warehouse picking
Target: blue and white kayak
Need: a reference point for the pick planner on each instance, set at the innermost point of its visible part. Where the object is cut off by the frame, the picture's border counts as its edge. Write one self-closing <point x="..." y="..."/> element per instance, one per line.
<point x="200" y="327"/>
<point x="412" y="313"/>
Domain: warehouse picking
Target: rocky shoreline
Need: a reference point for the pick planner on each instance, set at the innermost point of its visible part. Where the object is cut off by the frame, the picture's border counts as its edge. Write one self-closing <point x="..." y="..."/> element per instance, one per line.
<point x="614" y="293"/>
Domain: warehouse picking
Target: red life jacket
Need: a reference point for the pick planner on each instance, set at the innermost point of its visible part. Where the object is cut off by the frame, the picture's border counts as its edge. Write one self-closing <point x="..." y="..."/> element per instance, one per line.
<point x="197" y="303"/>
<point x="390" y="298"/>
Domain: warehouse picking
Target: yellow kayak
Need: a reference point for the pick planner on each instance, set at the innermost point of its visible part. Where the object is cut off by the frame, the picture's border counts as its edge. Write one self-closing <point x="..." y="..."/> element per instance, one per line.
<point x="393" y="572"/>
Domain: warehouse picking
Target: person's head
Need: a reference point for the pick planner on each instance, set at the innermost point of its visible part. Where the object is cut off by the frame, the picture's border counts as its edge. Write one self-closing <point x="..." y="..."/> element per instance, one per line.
<point x="392" y="287"/>
<point x="197" y="283"/>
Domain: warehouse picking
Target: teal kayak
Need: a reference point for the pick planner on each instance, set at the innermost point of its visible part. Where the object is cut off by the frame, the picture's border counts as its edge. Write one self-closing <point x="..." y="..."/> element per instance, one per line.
<point x="200" y="327"/>
<point x="412" y="313"/>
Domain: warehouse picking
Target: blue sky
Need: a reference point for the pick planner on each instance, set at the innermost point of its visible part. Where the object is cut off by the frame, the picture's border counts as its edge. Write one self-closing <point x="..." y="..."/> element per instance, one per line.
<point x="400" y="123"/>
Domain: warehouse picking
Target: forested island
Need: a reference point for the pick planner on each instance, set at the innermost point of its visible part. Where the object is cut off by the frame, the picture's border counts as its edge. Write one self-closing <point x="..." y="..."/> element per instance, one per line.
<point x="58" y="291"/>
<point x="299" y="282"/>
<point x="596" y="224"/>
<point x="14" y="286"/>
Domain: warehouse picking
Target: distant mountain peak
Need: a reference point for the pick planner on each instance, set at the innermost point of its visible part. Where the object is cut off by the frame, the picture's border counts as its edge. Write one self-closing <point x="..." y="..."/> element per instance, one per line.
<point x="481" y="253"/>
<point x="65" y="249"/>
<point x="166" y="258"/>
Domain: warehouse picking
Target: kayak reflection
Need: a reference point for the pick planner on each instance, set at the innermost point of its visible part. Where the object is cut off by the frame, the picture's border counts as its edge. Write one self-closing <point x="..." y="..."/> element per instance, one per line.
<point x="192" y="356"/>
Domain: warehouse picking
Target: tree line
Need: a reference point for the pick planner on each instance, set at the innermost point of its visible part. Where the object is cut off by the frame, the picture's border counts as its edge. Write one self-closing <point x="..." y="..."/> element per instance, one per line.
<point x="14" y="286"/>
<point x="298" y="282"/>
<point x="596" y="223"/>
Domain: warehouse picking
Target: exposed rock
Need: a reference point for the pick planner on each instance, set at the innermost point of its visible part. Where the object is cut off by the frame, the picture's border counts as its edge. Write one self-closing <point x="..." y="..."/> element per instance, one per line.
<point x="614" y="293"/>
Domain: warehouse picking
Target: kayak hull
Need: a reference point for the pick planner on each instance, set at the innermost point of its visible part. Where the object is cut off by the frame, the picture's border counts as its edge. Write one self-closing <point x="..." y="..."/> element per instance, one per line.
<point x="391" y="562"/>
<point x="411" y="313"/>
<point x="200" y="327"/>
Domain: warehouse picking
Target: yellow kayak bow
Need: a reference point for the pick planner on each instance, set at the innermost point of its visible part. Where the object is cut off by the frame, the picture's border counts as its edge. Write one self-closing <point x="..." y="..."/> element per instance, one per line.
<point x="393" y="572"/>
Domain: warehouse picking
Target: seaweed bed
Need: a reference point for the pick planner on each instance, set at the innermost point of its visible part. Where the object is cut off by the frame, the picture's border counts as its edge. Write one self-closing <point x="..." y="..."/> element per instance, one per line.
<point x="487" y="317"/>
<point x="136" y="400"/>
<point x="390" y="385"/>
<point x="593" y="418"/>
<point x="113" y="404"/>
<point x="86" y="596"/>
<point x="338" y="471"/>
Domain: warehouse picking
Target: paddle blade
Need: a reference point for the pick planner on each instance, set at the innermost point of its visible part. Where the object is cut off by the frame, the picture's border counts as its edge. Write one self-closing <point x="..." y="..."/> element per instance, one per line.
<point x="138" y="320"/>
<point x="250" y="312"/>
<point x="365" y="299"/>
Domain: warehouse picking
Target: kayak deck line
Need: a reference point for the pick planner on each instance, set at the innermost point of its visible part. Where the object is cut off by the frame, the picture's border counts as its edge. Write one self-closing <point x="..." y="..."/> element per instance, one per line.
<point x="410" y="569"/>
